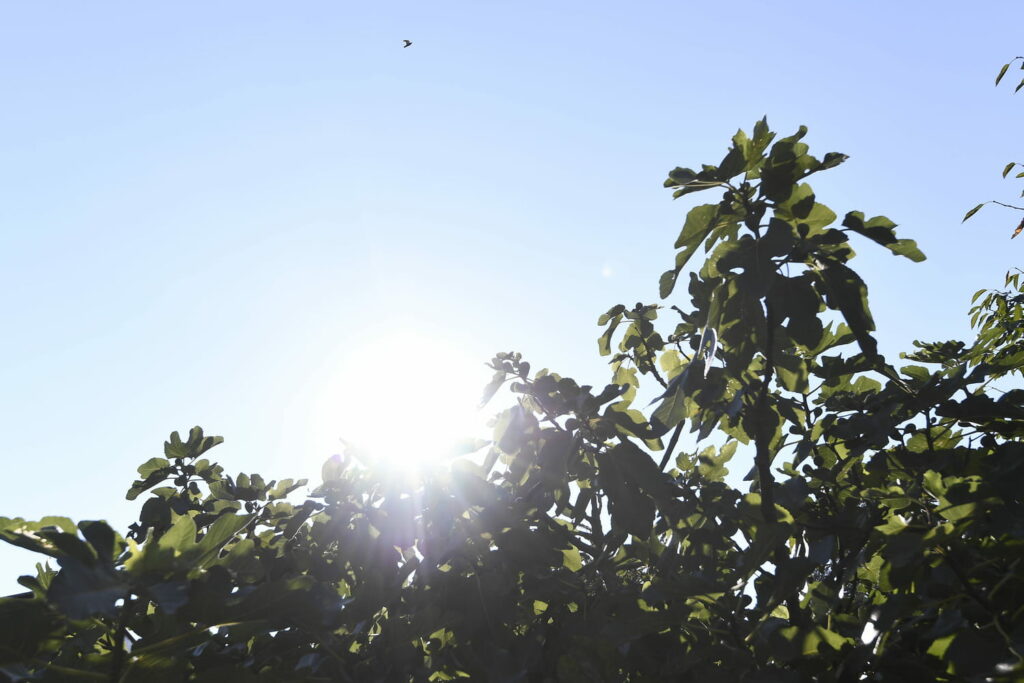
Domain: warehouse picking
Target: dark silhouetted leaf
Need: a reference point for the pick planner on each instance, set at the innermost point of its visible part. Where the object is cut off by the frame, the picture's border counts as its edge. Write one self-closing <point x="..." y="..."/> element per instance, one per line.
<point x="848" y="293"/>
<point x="81" y="590"/>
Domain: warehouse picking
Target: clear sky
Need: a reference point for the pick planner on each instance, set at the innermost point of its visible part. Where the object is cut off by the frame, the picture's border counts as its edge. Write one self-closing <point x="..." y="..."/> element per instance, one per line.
<point x="229" y="214"/>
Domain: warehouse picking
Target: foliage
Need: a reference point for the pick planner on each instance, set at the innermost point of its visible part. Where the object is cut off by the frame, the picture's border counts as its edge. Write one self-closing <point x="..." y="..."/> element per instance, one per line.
<point x="880" y="537"/>
<point x="1011" y="166"/>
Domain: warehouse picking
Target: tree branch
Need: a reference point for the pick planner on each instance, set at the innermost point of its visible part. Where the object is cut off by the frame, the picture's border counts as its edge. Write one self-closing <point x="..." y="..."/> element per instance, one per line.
<point x="762" y="456"/>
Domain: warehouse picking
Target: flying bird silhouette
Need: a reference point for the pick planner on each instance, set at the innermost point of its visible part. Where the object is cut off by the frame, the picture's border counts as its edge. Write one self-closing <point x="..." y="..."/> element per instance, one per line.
<point x="406" y="43"/>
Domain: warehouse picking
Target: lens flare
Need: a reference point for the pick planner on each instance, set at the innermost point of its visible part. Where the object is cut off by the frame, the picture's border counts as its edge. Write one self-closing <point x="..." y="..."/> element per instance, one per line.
<point x="408" y="398"/>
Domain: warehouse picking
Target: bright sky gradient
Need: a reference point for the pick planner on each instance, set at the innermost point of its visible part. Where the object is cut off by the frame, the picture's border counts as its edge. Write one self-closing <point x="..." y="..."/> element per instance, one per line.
<point x="221" y="213"/>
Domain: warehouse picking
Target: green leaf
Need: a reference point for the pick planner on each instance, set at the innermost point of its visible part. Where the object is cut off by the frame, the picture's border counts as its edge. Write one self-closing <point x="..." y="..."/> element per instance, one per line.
<point x="786" y="164"/>
<point x="243" y="561"/>
<point x="81" y="590"/>
<point x="41" y="537"/>
<point x="1008" y="168"/>
<point x="643" y="470"/>
<point x="180" y="537"/>
<point x="672" y="410"/>
<point x="680" y="176"/>
<point x="975" y="652"/>
<point x="153" y="472"/>
<point x="800" y="208"/>
<point x="761" y="132"/>
<point x="153" y="669"/>
<point x="332" y="468"/>
<point x="160" y="557"/>
<point x="800" y="642"/>
<point x="738" y="159"/>
<point x="170" y="596"/>
<point x="632" y="511"/>
<point x="893" y="525"/>
<point x="792" y="371"/>
<point x="492" y="387"/>
<point x="62" y="523"/>
<point x="284" y="488"/>
<point x="618" y="309"/>
<point x="939" y="646"/>
<point x="973" y="211"/>
<point x="216" y="537"/>
<point x="196" y="445"/>
<point x="1002" y="72"/>
<point x="101" y="537"/>
<point x="153" y="465"/>
<point x="671" y="362"/>
<point x="700" y="222"/>
<point x="832" y="159"/>
<point x="848" y="293"/>
<point x="299" y="517"/>
<point x="604" y="342"/>
<point x="666" y="284"/>
<point x="956" y="513"/>
<point x="25" y="626"/>
<point x="712" y="466"/>
<point x="882" y="231"/>
<point x="571" y="559"/>
<point x="831" y="638"/>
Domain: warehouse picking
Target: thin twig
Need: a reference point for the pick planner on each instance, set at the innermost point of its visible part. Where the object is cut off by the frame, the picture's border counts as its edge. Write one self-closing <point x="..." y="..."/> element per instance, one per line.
<point x="762" y="456"/>
<point x="117" y="660"/>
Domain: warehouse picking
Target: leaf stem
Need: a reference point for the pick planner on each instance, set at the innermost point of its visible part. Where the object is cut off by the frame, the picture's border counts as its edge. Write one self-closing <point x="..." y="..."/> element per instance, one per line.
<point x="673" y="440"/>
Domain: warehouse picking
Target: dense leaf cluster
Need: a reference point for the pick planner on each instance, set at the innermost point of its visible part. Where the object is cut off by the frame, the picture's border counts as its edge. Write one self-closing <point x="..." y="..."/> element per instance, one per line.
<point x="879" y="538"/>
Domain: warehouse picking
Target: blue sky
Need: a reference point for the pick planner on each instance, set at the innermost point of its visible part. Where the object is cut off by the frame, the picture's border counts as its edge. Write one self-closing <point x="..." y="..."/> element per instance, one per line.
<point x="220" y="215"/>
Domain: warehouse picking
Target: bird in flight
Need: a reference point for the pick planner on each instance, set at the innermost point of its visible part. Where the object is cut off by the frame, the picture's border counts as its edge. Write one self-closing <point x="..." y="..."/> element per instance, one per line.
<point x="406" y="43"/>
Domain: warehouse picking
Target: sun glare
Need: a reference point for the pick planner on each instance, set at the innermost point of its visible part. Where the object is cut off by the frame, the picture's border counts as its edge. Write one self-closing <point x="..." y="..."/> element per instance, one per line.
<point x="408" y="398"/>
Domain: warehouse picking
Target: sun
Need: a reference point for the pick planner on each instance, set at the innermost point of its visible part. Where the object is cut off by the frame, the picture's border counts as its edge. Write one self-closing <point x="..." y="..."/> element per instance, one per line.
<point x="406" y="397"/>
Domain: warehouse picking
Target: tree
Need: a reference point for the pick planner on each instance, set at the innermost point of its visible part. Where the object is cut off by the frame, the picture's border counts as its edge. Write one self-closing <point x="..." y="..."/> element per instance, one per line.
<point x="879" y="538"/>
